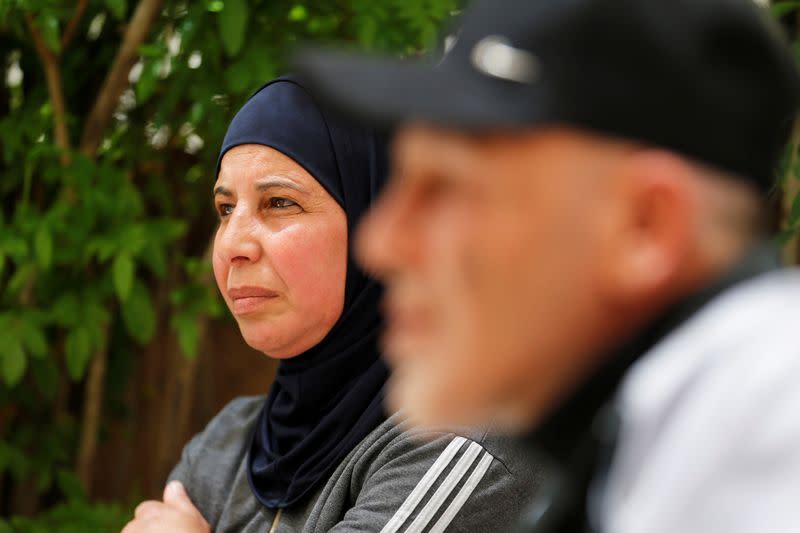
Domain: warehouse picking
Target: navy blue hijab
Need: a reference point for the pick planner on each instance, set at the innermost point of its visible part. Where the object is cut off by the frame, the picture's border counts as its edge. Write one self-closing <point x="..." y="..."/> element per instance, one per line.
<point x="324" y="401"/>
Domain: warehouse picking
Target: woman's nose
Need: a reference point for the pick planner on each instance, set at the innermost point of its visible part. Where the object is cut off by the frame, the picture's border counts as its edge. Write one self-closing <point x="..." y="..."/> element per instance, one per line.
<point x="237" y="237"/>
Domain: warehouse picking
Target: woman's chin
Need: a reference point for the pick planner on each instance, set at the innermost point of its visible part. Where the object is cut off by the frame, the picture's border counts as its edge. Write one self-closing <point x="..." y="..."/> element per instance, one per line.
<point x="270" y="345"/>
<point x="282" y="339"/>
<point x="268" y="348"/>
<point x="278" y="355"/>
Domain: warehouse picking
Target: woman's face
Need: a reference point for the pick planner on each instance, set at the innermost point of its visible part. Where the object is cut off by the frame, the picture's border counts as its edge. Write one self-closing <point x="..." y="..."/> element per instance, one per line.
<point x="280" y="253"/>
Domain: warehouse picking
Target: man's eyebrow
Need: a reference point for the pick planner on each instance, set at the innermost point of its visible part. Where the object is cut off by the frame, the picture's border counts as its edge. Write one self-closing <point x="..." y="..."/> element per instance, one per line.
<point x="222" y="191"/>
<point x="273" y="183"/>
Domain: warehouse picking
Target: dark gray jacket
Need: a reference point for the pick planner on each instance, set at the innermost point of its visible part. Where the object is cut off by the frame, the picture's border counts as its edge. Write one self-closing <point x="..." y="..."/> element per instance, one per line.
<point x="396" y="479"/>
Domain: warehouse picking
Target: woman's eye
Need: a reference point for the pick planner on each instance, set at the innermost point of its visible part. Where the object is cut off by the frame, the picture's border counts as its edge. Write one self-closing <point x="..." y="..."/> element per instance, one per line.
<point x="224" y="210"/>
<point x="281" y="203"/>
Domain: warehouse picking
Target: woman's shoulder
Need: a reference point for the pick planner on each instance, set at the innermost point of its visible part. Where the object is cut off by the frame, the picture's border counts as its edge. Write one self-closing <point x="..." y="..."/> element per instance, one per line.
<point x="239" y="414"/>
<point x="211" y="465"/>
<point x="225" y="435"/>
<point x="451" y="477"/>
<point x="396" y="446"/>
<point x="510" y="451"/>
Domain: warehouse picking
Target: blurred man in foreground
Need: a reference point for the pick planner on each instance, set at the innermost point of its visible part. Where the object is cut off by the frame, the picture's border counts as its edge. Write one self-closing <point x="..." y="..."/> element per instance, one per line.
<point x="572" y="242"/>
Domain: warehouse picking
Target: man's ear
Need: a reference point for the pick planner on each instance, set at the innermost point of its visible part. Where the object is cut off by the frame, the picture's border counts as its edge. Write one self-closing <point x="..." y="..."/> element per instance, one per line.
<point x="652" y="224"/>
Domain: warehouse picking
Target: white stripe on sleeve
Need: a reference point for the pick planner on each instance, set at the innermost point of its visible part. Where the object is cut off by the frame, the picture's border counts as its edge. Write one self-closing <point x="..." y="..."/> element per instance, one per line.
<point x="463" y="494"/>
<point x="444" y="490"/>
<point x="423" y="486"/>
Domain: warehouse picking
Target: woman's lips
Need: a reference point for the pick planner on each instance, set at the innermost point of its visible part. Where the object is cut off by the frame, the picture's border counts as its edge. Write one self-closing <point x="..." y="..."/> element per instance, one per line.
<point x="246" y="300"/>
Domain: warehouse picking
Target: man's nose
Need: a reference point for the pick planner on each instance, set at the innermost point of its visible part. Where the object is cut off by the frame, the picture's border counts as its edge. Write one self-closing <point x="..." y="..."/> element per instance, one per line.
<point x="385" y="242"/>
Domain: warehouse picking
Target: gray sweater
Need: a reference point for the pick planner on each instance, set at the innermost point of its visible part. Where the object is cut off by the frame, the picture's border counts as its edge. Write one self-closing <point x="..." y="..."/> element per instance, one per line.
<point x="396" y="479"/>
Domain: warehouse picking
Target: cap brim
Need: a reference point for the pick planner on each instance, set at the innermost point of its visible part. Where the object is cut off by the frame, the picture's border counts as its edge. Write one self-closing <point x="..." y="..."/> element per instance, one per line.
<point x="385" y="91"/>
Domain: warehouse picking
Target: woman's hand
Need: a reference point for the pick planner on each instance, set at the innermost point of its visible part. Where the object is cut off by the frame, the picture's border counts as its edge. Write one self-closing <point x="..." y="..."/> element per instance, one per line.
<point x="175" y="513"/>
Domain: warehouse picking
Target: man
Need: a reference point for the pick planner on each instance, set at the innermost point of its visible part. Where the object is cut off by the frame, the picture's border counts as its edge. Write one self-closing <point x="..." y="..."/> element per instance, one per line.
<point x="572" y="242"/>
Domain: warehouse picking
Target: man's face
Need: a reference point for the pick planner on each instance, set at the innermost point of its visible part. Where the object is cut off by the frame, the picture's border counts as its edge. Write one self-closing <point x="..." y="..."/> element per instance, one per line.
<point x="487" y="245"/>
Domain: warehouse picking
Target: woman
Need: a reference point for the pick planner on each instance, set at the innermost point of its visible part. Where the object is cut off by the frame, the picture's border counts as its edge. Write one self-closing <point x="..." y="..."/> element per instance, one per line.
<point x="319" y="453"/>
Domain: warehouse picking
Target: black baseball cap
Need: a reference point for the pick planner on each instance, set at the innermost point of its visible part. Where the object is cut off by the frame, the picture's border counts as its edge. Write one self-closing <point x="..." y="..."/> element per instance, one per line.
<point x="712" y="79"/>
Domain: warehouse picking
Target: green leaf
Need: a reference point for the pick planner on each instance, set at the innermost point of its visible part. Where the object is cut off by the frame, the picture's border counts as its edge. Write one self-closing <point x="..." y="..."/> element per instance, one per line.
<point x="298" y="13"/>
<point x="237" y="77"/>
<point x="95" y="310"/>
<point x="76" y="348"/>
<point x="14" y="361"/>
<point x="43" y="245"/>
<point x="781" y="8"/>
<point x="196" y="112"/>
<point x="101" y="247"/>
<point x="367" y="32"/>
<point x="19" y="464"/>
<point x="66" y="310"/>
<point x="151" y="50"/>
<point x="34" y="340"/>
<point x="117" y="8"/>
<point x="44" y="480"/>
<point x="262" y="68"/>
<point x="155" y="258"/>
<point x="188" y="334"/>
<point x="49" y="28"/>
<point x="139" y="315"/>
<point x="70" y="485"/>
<point x="794" y="213"/>
<point x="45" y="375"/>
<point x="429" y="33"/>
<point x="174" y="229"/>
<point x="15" y="247"/>
<point x="22" y="276"/>
<point x="97" y="336"/>
<point x="233" y="25"/>
<point x="122" y="275"/>
<point x="148" y="80"/>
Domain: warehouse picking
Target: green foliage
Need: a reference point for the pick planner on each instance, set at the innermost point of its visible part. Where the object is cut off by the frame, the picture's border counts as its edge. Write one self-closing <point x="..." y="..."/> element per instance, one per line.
<point x="14" y="361"/>
<point x="138" y="314"/>
<point x="233" y="25"/>
<point x="118" y="8"/>
<point x="105" y="252"/>
<point x="73" y="516"/>
<point x="784" y="7"/>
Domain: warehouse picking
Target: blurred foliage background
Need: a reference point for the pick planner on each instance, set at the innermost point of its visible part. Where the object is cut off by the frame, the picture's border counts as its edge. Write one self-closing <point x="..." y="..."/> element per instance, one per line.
<point x="114" y="347"/>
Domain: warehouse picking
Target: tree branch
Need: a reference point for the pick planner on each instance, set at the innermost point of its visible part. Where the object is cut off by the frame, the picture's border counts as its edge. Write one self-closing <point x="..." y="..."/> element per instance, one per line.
<point x="72" y="26"/>
<point x="92" y="411"/>
<point x="54" y="87"/>
<point x="117" y="78"/>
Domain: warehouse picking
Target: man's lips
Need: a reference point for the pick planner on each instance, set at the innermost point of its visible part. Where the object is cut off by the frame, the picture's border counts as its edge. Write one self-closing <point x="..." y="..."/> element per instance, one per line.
<point x="249" y="299"/>
<point x="405" y="318"/>
<point x="406" y="332"/>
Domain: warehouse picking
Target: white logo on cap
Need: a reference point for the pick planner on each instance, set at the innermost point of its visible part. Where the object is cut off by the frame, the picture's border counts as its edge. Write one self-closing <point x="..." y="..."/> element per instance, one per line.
<point x="494" y="56"/>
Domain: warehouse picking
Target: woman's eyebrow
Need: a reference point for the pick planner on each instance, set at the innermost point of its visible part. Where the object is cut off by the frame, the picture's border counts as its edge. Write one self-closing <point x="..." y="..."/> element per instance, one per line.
<point x="273" y="183"/>
<point x="222" y="191"/>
